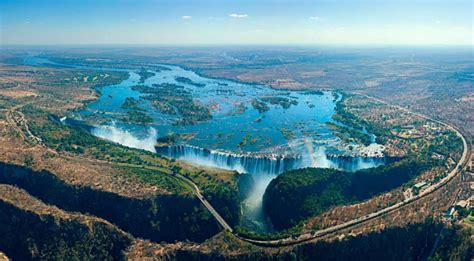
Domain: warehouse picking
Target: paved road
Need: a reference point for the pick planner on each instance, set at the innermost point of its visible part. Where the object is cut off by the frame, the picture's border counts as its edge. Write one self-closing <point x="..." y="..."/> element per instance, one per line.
<point x="462" y="164"/>
<point x="206" y="203"/>
<point x="317" y="234"/>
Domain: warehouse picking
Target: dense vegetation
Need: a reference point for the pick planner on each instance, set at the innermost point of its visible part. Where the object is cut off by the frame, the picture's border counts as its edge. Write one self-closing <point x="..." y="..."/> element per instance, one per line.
<point x="411" y="242"/>
<point x="175" y="100"/>
<point x="138" y="117"/>
<point x="351" y="127"/>
<point x="343" y="115"/>
<point x="30" y="236"/>
<point x="158" y="217"/>
<point x="260" y="106"/>
<point x="284" y="102"/>
<point x="78" y="140"/>
<point x="130" y="103"/>
<point x="303" y="193"/>
<point x="144" y="74"/>
<point x="189" y="81"/>
<point x="348" y="134"/>
<point x="135" y="114"/>
<point x="222" y="193"/>
<point x="308" y="192"/>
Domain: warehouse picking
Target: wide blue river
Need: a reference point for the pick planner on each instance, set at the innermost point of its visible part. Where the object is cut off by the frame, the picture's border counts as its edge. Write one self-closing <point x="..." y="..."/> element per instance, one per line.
<point x="237" y="136"/>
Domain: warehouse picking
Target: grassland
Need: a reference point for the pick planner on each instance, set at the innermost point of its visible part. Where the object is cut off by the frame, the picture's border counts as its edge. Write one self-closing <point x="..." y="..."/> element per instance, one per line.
<point x="34" y="139"/>
<point x="33" y="98"/>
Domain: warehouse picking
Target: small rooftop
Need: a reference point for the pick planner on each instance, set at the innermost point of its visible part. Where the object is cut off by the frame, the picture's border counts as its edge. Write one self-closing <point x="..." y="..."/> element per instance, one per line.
<point x="420" y="184"/>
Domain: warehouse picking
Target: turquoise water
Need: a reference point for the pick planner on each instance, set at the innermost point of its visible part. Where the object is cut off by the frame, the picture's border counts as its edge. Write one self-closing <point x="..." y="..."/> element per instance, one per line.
<point x="276" y="140"/>
<point x="264" y="131"/>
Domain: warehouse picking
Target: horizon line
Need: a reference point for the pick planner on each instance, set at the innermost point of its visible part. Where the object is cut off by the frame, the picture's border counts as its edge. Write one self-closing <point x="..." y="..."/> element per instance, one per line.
<point x="238" y="44"/>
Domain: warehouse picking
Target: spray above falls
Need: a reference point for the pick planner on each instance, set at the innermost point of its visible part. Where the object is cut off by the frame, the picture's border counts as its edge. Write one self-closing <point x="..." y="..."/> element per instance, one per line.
<point x="270" y="165"/>
<point x="127" y="138"/>
<point x="251" y="129"/>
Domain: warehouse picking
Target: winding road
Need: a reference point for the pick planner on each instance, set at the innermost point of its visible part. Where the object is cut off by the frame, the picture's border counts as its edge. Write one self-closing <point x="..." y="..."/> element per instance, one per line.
<point x="460" y="166"/>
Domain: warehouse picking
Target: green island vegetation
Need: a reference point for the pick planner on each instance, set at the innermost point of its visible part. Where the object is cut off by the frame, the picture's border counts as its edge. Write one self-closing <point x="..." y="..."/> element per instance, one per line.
<point x="260" y="106"/>
<point x="244" y="141"/>
<point x="175" y="100"/>
<point x="284" y="102"/>
<point x="172" y="138"/>
<point x="309" y="192"/>
<point x="138" y="117"/>
<point x="130" y="103"/>
<point x="185" y="80"/>
<point x="239" y="109"/>
<point x="144" y="74"/>
<point x="314" y="92"/>
<point x="343" y="114"/>
<point x="247" y="139"/>
<point x="135" y="114"/>
<point x="288" y="134"/>
<point x="348" y="134"/>
<point x="218" y="186"/>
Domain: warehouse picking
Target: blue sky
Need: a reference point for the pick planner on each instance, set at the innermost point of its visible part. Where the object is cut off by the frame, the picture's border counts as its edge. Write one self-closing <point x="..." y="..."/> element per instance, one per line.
<point x="413" y="22"/>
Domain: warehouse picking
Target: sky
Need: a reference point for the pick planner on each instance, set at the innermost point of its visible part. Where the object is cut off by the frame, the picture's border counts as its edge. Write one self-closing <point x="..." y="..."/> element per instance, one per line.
<point x="222" y="22"/>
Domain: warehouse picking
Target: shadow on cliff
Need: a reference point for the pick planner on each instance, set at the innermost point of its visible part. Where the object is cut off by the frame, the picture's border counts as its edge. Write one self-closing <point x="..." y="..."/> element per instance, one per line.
<point x="160" y="218"/>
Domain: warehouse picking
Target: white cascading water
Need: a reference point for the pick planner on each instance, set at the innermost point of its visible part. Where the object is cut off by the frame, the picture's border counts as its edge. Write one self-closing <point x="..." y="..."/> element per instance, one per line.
<point x="243" y="163"/>
<point x="126" y="138"/>
<point x="267" y="165"/>
<point x="264" y="168"/>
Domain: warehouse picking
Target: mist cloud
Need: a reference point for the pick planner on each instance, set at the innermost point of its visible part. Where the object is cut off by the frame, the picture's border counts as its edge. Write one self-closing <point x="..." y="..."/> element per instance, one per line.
<point x="126" y="138"/>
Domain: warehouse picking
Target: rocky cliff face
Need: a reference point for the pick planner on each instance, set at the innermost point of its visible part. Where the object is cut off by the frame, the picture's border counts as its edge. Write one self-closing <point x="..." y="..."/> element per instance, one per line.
<point x="31" y="229"/>
<point x="158" y="218"/>
<point x="411" y="242"/>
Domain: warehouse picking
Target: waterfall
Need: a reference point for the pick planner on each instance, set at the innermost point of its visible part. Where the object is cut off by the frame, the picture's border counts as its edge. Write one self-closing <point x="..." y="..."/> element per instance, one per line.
<point x="271" y="165"/>
<point x="349" y="163"/>
<point x="244" y="163"/>
<point x="263" y="169"/>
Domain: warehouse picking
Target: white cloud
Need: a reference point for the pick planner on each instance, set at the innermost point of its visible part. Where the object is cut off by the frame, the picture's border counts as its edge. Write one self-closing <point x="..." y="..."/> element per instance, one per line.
<point x="186" y="17"/>
<point x="438" y="21"/>
<point x="314" y="18"/>
<point x="238" y="15"/>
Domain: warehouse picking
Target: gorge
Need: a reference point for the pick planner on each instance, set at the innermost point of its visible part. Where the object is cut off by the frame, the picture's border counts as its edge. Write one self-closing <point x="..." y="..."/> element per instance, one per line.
<point x="248" y="128"/>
